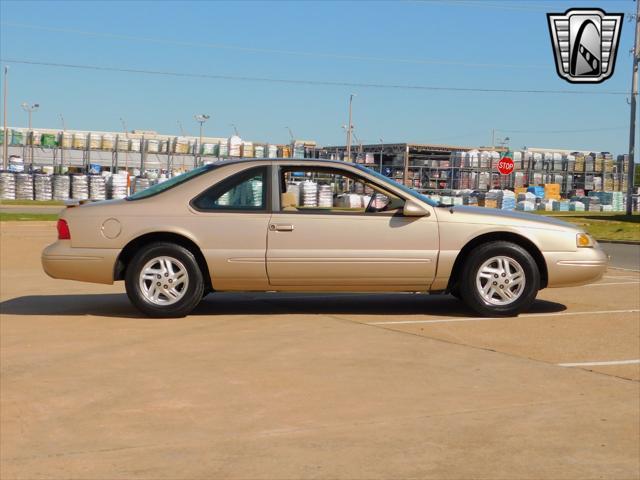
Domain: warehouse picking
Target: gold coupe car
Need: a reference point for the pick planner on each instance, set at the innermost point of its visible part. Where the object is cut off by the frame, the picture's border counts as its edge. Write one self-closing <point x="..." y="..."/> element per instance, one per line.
<point x="313" y="225"/>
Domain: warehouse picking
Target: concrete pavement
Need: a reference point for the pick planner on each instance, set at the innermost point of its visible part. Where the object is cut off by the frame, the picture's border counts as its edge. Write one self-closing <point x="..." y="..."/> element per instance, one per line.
<point x="310" y="386"/>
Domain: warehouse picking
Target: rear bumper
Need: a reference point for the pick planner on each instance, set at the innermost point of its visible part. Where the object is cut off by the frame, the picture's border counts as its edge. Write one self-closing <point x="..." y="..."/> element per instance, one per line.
<point x="96" y="265"/>
<point x="565" y="269"/>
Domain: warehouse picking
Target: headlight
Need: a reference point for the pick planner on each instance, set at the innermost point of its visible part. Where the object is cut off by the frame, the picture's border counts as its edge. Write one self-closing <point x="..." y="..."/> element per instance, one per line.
<point x="584" y="240"/>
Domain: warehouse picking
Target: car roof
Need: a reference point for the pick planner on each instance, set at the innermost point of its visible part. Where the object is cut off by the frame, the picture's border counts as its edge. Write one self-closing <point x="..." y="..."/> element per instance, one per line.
<point x="231" y="161"/>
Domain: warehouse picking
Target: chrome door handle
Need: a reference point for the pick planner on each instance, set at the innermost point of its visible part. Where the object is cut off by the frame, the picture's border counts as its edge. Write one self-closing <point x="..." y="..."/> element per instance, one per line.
<point x="279" y="227"/>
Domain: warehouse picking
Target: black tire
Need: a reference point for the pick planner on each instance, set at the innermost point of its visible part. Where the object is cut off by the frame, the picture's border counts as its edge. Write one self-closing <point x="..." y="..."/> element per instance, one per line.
<point x="483" y="253"/>
<point x="455" y="292"/>
<point x="190" y="298"/>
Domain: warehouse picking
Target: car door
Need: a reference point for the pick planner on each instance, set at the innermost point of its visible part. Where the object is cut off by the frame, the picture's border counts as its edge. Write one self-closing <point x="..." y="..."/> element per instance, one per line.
<point x="323" y="235"/>
<point x="232" y="218"/>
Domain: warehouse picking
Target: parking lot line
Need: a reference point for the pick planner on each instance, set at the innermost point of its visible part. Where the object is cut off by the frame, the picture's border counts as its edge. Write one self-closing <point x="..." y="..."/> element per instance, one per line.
<point x="624" y="269"/>
<point x="596" y="364"/>
<point x="484" y="319"/>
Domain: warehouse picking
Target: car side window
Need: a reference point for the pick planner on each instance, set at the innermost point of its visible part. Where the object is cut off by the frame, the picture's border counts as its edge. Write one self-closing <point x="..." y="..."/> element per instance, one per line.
<point x="244" y="191"/>
<point x="332" y="191"/>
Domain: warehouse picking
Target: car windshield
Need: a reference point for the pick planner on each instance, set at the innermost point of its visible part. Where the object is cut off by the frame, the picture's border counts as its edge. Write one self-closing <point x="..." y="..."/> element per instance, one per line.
<point x="172" y="182"/>
<point x="405" y="189"/>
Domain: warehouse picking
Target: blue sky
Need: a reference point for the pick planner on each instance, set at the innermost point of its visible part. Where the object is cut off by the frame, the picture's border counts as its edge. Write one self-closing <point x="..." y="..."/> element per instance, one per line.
<point x="485" y="44"/>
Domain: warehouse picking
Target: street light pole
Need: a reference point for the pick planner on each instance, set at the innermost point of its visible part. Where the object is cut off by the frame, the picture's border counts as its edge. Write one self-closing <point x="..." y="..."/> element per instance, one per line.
<point x="632" y="123"/>
<point x="290" y="134"/>
<point x="349" y="128"/>
<point x="5" y="144"/>
<point x="30" y="108"/>
<point x="201" y="118"/>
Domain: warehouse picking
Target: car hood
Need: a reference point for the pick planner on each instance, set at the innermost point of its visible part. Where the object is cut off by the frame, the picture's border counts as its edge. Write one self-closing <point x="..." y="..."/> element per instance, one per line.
<point x="484" y="215"/>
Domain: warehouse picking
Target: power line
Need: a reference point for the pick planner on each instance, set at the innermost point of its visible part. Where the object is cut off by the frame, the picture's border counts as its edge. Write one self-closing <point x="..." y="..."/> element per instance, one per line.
<point x="584" y="130"/>
<point x="308" y="82"/>
<point x="504" y="5"/>
<point x="181" y="43"/>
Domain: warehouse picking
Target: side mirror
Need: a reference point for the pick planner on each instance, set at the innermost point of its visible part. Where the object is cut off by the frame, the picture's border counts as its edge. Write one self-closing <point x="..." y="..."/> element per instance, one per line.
<point x="413" y="209"/>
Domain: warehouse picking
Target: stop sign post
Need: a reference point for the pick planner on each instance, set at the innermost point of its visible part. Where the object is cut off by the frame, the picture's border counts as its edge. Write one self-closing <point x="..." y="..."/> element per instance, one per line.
<point x="506" y="165"/>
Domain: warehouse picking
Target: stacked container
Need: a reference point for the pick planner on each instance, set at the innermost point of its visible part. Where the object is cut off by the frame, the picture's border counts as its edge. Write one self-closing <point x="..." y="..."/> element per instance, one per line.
<point x="80" y="141"/>
<point x="79" y="187"/>
<point x="61" y="187"/>
<point x="24" y="186"/>
<point x="97" y="187"/>
<point x="7" y="186"/>
<point x="43" y="189"/>
<point x="117" y="185"/>
<point x="95" y="141"/>
<point x="108" y="142"/>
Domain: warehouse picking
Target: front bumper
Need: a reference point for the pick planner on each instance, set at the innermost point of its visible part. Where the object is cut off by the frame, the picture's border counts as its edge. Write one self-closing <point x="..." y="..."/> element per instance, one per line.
<point x="96" y="265"/>
<point x="586" y="265"/>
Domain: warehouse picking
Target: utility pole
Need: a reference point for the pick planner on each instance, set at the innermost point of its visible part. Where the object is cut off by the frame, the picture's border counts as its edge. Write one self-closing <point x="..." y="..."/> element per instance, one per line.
<point x="349" y="128"/>
<point x="381" y="153"/>
<point x="181" y="129"/>
<point x="201" y="118"/>
<point x="126" y="155"/>
<point x="64" y="129"/>
<point x="30" y="108"/>
<point x="632" y="123"/>
<point x="235" y="129"/>
<point x="5" y="144"/>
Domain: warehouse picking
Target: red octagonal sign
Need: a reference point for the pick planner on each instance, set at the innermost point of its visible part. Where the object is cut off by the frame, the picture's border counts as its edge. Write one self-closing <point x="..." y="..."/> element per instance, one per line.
<point x="505" y="165"/>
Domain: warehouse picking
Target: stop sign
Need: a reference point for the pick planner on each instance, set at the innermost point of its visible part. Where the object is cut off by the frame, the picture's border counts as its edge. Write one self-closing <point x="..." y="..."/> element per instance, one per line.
<point x="505" y="165"/>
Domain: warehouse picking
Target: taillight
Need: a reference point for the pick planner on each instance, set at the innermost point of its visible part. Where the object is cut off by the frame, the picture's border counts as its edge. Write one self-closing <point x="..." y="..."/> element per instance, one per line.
<point x="63" y="230"/>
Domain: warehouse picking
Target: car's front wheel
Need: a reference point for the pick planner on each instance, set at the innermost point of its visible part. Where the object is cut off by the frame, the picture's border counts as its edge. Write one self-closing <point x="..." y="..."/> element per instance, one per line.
<point x="164" y="280"/>
<point x="499" y="279"/>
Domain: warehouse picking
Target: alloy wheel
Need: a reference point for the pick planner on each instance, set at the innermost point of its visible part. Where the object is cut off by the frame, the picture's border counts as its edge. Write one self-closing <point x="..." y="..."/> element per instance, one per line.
<point x="164" y="281"/>
<point x="500" y="281"/>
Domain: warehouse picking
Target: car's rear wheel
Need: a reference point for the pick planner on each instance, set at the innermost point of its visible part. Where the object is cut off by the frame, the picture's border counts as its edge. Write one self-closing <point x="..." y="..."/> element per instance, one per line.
<point x="499" y="279"/>
<point x="164" y="280"/>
